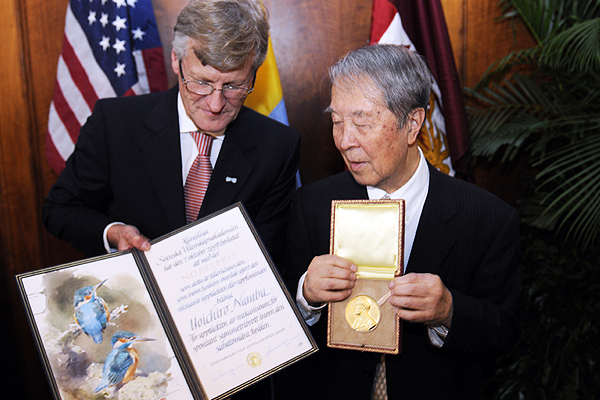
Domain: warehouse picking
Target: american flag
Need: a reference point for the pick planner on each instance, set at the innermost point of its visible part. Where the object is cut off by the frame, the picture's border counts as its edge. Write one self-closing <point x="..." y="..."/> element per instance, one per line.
<point x="110" y="48"/>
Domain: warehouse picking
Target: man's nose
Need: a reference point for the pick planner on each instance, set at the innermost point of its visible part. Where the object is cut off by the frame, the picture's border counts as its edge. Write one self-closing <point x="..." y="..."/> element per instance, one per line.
<point x="216" y="100"/>
<point x="348" y="136"/>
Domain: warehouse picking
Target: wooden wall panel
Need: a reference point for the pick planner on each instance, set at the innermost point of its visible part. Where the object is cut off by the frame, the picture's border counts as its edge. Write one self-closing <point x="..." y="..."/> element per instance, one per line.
<point x="19" y="197"/>
<point x="166" y="12"/>
<point x="308" y="36"/>
<point x="478" y="39"/>
<point x="456" y="19"/>
<point x="14" y="187"/>
<point x="487" y="38"/>
<point x="44" y="22"/>
<point x="21" y="189"/>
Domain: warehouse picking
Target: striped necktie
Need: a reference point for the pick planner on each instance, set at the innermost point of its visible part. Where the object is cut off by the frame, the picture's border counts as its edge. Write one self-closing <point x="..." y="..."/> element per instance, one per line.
<point x="379" y="391"/>
<point x="198" y="177"/>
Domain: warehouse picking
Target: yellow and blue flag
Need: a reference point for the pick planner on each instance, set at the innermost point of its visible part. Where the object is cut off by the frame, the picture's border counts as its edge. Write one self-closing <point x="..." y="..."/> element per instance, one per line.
<point x="267" y="97"/>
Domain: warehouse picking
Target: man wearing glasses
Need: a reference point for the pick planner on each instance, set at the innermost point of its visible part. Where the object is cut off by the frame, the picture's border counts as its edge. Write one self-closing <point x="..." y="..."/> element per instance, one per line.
<point x="126" y="182"/>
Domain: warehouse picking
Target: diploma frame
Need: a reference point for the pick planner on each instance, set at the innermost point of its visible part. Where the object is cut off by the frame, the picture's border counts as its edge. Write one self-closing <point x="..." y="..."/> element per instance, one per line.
<point x="365" y="321"/>
<point x="199" y="359"/>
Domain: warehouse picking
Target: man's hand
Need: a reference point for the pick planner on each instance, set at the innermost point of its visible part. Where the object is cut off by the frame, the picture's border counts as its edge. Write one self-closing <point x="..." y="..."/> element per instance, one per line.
<point x="328" y="278"/>
<point x="422" y="298"/>
<point x="123" y="237"/>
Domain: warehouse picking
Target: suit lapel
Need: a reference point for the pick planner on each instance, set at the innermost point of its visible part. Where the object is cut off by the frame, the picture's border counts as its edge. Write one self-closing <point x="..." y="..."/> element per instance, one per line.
<point x="433" y="239"/>
<point x="161" y="148"/>
<point x="233" y="168"/>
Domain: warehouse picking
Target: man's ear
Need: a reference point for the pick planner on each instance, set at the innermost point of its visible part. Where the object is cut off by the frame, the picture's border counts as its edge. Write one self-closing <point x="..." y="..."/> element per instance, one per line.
<point x="174" y="63"/>
<point x="414" y="122"/>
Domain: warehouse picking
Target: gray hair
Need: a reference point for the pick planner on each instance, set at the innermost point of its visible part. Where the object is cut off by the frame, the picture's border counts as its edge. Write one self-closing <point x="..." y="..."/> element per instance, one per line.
<point x="225" y="33"/>
<point x="400" y="74"/>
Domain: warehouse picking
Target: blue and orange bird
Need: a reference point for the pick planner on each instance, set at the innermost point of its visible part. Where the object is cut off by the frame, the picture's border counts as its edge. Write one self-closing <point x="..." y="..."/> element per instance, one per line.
<point x="91" y="311"/>
<point x="122" y="361"/>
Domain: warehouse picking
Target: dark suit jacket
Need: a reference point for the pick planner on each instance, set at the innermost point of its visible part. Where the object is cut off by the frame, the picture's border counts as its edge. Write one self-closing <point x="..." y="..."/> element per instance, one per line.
<point x="127" y="167"/>
<point x="465" y="235"/>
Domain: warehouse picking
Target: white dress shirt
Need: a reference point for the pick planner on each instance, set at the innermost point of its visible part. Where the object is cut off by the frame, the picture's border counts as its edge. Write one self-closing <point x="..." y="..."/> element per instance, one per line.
<point x="189" y="149"/>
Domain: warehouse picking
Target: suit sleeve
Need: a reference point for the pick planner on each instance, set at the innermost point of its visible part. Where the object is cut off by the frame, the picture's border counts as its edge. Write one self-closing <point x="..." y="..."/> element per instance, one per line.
<point x="485" y="319"/>
<point x="73" y="209"/>
<point x="272" y="219"/>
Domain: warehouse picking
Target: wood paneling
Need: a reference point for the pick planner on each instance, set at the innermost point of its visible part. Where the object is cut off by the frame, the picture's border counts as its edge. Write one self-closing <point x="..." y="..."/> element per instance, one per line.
<point x="456" y="19"/>
<point x="487" y="38"/>
<point x="308" y="36"/>
<point x="479" y="37"/>
<point x="21" y="189"/>
<point x="166" y="12"/>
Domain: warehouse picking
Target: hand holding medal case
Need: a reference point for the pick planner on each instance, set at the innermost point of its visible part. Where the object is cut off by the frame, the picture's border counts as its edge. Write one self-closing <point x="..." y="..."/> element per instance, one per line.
<point x="370" y="234"/>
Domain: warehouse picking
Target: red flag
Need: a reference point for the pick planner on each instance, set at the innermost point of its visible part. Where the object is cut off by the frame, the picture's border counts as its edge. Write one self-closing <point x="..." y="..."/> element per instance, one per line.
<point x="109" y="49"/>
<point x="420" y="25"/>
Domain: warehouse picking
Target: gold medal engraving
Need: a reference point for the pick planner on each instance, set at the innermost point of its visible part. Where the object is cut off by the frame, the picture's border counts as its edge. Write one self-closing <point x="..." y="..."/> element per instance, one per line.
<point x="362" y="313"/>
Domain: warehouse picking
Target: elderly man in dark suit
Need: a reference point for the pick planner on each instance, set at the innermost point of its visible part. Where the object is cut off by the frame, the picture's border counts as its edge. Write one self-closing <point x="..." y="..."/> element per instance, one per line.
<point x="458" y="298"/>
<point x="125" y="180"/>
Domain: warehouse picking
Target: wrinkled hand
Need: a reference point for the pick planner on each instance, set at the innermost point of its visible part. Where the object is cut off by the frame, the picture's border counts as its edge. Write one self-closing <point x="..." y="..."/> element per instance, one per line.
<point x="123" y="237"/>
<point x="422" y="298"/>
<point x="328" y="278"/>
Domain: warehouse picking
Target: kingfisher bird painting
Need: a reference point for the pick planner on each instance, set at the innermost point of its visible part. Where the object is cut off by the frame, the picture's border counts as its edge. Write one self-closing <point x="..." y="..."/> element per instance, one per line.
<point x="106" y="299"/>
<point x="91" y="311"/>
<point x="122" y="361"/>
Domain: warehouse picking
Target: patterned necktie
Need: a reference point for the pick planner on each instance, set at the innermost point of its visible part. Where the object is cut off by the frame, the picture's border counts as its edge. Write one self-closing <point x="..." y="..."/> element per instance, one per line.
<point x="379" y="391"/>
<point x="198" y="177"/>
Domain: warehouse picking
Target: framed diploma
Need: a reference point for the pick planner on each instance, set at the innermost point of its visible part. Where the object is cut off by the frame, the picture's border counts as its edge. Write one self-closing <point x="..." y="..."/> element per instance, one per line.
<point x="202" y="315"/>
<point x="371" y="235"/>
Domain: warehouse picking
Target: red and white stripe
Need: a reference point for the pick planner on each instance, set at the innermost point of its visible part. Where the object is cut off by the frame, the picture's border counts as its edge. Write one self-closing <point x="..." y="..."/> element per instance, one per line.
<point x="198" y="178"/>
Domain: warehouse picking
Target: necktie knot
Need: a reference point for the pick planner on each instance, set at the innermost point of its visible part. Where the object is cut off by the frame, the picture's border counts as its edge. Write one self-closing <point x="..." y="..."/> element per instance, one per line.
<point x="203" y="141"/>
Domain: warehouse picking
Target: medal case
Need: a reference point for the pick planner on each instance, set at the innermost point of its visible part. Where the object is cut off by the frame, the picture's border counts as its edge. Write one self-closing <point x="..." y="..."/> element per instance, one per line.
<point x="369" y="233"/>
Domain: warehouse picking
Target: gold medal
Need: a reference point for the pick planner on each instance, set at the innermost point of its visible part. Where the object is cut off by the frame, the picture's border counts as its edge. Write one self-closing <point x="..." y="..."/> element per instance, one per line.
<point x="362" y="313"/>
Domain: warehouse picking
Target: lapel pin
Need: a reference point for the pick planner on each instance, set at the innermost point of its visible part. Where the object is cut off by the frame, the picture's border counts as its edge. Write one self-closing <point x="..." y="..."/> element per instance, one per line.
<point x="230" y="179"/>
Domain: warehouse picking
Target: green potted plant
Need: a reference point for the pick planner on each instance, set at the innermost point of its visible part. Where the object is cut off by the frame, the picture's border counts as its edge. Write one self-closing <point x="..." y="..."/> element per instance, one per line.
<point x="544" y="102"/>
<point x="540" y="107"/>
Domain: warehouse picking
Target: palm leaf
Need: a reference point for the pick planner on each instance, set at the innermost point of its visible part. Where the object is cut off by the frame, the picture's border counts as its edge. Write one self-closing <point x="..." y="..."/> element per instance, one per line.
<point x="576" y="49"/>
<point x="543" y="18"/>
<point x="511" y="113"/>
<point x="498" y="69"/>
<point x="574" y="173"/>
<point x="585" y="9"/>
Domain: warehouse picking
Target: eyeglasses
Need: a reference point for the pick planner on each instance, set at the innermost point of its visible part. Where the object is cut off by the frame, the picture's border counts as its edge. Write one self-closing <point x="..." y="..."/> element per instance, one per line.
<point x="204" y="89"/>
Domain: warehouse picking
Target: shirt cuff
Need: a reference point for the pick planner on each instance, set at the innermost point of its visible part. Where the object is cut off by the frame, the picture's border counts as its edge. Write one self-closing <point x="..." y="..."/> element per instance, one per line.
<point x="310" y="314"/>
<point x="437" y="335"/>
<point x="105" y="237"/>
